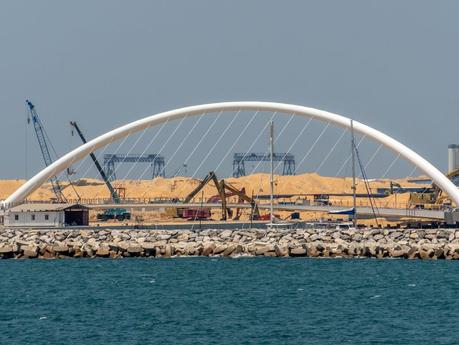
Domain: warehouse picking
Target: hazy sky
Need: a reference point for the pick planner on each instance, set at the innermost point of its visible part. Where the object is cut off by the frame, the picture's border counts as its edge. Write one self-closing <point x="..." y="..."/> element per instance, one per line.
<point x="390" y="64"/>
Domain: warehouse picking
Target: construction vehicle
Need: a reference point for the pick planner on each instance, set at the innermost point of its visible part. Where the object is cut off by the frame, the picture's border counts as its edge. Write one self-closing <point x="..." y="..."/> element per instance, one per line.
<point x="225" y="191"/>
<point x="43" y="141"/>
<point x="433" y="198"/>
<point x="119" y="214"/>
<point x="114" y="195"/>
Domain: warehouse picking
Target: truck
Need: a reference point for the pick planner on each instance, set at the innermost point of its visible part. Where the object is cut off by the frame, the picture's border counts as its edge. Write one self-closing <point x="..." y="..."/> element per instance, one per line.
<point x="119" y="214"/>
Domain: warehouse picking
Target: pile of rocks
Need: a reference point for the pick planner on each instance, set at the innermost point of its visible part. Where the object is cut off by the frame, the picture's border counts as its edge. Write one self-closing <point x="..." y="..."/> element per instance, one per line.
<point x="378" y="243"/>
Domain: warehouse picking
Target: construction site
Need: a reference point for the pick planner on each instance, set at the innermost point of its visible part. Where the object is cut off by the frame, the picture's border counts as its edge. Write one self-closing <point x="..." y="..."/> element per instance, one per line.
<point x="259" y="197"/>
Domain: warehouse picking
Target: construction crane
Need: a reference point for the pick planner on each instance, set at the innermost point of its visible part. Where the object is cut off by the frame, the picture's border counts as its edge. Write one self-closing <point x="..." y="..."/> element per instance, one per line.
<point x="112" y="190"/>
<point x="44" y="147"/>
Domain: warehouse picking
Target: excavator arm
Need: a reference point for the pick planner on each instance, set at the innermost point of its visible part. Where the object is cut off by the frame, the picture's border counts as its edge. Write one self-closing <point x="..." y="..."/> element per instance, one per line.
<point x="209" y="177"/>
<point x="242" y="196"/>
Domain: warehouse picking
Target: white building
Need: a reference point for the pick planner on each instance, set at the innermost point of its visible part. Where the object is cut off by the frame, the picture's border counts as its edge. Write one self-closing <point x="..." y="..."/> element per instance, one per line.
<point x="46" y="215"/>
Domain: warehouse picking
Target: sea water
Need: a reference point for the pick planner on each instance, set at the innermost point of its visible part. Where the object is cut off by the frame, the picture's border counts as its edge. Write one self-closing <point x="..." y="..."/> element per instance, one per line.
<point x="229" y="301"/>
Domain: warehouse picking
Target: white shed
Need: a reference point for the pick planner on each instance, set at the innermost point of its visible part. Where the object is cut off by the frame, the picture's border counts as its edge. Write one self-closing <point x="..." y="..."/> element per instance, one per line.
<point x="46" y="215"/>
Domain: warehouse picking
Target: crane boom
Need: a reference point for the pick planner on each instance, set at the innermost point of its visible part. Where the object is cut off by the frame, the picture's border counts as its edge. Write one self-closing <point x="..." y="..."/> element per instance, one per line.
<point x="113" y="193"/>
<point x="43" y="143"/>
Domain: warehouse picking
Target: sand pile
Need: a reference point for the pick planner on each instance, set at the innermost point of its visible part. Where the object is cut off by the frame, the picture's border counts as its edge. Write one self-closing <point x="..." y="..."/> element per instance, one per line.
<point x="180" y="187"/>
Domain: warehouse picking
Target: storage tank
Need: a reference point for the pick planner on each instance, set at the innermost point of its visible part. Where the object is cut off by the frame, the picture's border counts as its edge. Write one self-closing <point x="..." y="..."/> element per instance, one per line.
<point x="453" y="157"/>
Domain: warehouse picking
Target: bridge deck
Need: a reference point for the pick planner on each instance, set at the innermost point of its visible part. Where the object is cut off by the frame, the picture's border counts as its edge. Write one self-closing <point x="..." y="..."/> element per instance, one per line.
<point x="383" y="212"/>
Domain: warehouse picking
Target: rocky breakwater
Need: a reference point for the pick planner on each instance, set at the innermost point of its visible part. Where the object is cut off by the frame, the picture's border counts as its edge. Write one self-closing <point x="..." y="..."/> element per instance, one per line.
<point x="374" y="243"/>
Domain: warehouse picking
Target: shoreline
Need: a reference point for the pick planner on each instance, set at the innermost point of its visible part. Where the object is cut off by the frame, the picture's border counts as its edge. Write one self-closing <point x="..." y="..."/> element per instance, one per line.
<point x="371" y="243"/>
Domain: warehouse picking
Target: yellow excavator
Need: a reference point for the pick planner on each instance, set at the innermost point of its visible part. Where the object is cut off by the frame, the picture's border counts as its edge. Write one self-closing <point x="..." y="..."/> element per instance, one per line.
<point x="433" y="198"/>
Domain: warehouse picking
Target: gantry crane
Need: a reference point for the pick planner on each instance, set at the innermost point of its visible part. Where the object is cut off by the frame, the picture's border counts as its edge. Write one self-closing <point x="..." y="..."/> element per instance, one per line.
<point x="44" y="147"/>
<point x="112" y="190"/>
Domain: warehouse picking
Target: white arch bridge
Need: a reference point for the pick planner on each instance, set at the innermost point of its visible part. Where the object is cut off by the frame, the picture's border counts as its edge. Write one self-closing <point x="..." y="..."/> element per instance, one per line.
<point x="228" y="108"/>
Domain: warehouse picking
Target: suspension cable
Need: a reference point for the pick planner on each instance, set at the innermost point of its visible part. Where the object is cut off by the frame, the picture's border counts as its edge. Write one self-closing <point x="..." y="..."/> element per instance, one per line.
<point x="260" y="133"/>
<point x="237" y="139"/>
<point x="313" y="145"/>
<point x="331" y="150"/>
<point x="211" y="149"/>
<point x="373" y="157"/>
<point x="202" y="137"/>
<point x="295" y="141"/>
<point x="128" y="153"/>
<point x="390" y="166"/>
<point x="183" y="141"/>
<point x="280" y="133"/>
<point x="165" y="143"/>
<point x="349" y="157"/>
<point x="149" y="145"/>
<point x="216" y="143"/>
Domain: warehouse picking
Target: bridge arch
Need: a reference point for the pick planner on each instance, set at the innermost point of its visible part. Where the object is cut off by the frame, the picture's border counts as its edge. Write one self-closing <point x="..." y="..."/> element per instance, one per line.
<point x="82" y="151"/>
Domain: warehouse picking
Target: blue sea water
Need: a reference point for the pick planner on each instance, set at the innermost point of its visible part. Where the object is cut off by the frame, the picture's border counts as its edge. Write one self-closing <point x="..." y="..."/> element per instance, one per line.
<point x="229" y="301"/>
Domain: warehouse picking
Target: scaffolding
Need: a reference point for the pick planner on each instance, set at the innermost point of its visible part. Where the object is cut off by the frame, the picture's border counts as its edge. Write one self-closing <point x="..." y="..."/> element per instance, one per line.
<point x="239" y="160"/>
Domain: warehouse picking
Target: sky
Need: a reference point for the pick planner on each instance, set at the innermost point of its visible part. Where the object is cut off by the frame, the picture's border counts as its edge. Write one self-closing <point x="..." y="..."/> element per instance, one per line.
<point x="389" y="64"/>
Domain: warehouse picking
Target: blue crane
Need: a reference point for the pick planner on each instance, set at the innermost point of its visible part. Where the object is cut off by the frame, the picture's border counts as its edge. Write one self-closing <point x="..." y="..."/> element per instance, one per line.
<point x="43" y="142"/>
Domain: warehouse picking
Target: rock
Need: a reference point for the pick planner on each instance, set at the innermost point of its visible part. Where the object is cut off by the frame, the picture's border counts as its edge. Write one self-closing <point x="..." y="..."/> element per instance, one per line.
<point x="149" y="248"/>
<point x="60" y="248"/>
<point x="168" y="251"/>
<point x="229" y="250"/>
<point x="208" y="248"/>
<point x="298" y="251"/>
<point x="134" y="250"/>
<point x="226" y="234"/>
<point x="7" y="249"/>
<point x="103" y="252"/>
<point x="263" y="249"/>
<point x="30" y="251"/>
<point x="220" y="248"/>
<point x="281" y="250"/>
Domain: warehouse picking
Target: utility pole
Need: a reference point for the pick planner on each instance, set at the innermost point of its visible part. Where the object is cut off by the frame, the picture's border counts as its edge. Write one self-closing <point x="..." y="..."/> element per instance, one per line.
<point x="271" y="182"/>
<point x="200" y="210"/>
<point x="354" y="189"/>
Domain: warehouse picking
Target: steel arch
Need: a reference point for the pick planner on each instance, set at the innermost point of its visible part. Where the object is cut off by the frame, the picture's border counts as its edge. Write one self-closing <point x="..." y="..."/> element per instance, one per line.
<point x="80" y="152"/>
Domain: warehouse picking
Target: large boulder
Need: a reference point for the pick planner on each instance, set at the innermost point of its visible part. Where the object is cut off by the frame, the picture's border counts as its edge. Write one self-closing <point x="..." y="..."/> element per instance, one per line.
<point x="226" y="234"/>
<point x="298" y="251"/>
<point x="7" y="249"/>
<point x="60" y="248"/>
<point x="30" y="251"/>
<point x="208" y="248"/>
<point x="168" y="251"/>
<point x="229" y="250"/>
<point x="219" y="249"/>
<point x="103" y="252"/>
<point x="134" y="250"/>
<point x="149" y="248"/>
<point x="281" y="250"/>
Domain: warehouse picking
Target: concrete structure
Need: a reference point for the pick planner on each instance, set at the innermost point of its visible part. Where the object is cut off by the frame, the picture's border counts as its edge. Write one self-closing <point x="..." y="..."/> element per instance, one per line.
<point x="46" y="215"/>
<point x="230" y="107"/>
<point x="453" y="157"/>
